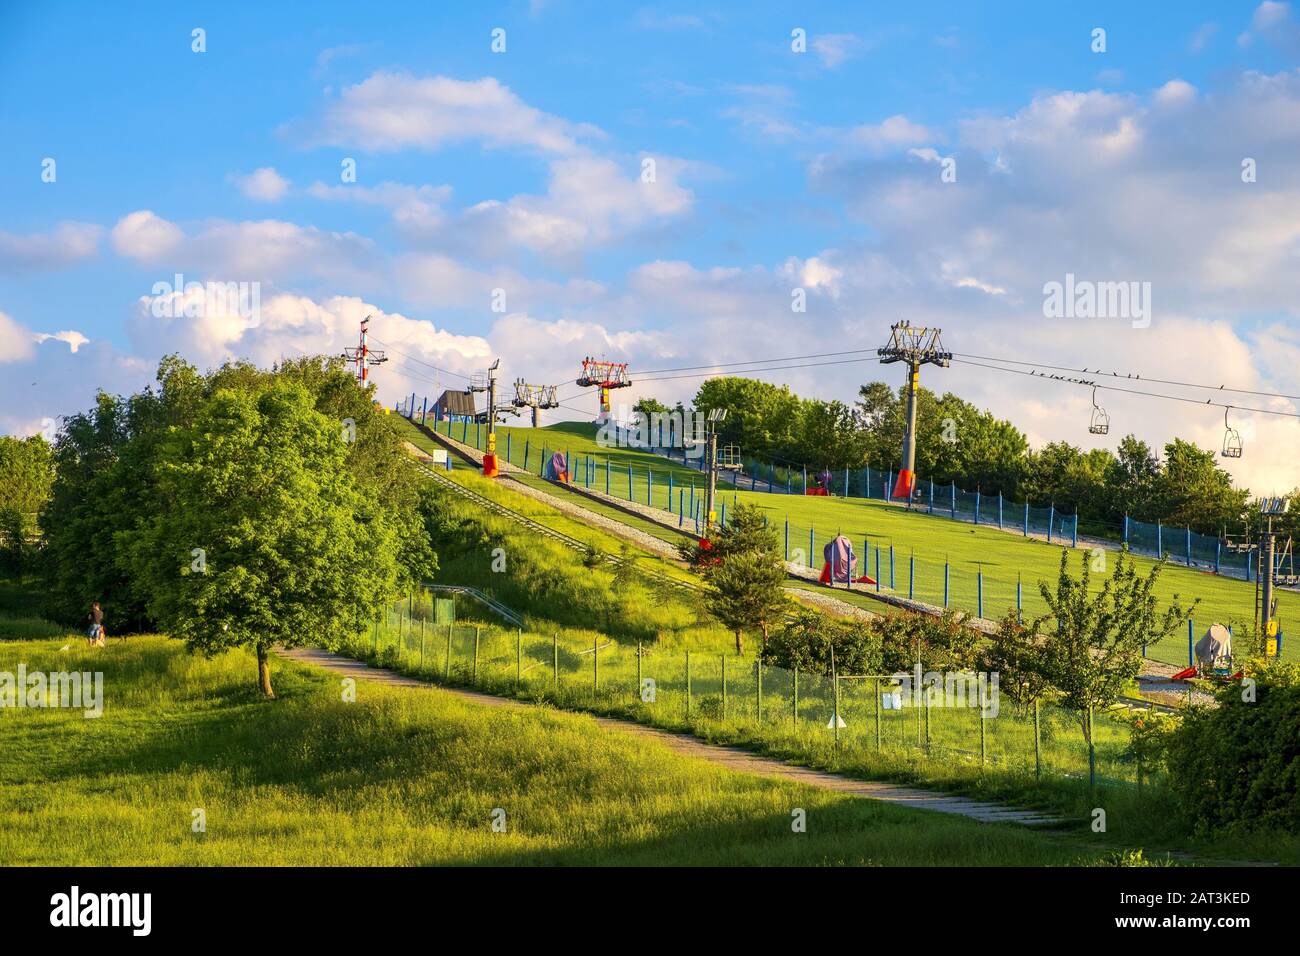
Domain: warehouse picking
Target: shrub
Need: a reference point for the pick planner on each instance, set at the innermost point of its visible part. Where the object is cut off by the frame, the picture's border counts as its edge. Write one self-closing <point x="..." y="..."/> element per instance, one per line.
<point x="805" y="642"/>
<point x="1237" y="766"/>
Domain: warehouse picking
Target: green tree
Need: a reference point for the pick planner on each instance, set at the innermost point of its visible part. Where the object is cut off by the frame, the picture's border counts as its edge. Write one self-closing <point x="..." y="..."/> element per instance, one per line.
<point x="743" y="571"/>
<point x="26" y="473"/>
<point x="1193" y="490"/>
<point x="261" y="535"/>
<point x="1095" y="648"/>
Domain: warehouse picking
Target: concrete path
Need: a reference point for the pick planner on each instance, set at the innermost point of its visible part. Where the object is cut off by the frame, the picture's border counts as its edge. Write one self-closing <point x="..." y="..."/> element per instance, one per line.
<point x="732" y="758"/>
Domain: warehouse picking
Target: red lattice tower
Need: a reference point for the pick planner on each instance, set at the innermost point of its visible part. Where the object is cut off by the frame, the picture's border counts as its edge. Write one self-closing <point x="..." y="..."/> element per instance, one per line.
<point x="604" y="376"/>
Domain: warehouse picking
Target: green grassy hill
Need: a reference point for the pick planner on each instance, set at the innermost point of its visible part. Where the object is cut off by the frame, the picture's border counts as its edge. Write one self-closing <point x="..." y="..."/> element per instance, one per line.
<point x="404" y="776"/>
<point x="977" y="558"/>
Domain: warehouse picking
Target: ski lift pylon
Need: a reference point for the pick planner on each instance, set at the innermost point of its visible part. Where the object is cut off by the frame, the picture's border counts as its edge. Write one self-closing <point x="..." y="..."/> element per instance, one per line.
<point x="1099" y="424"/>
<point x="1231" y="438"/>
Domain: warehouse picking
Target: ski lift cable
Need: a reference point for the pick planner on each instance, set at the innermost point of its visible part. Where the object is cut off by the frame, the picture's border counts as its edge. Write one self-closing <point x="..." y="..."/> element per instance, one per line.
<point x="412" y="358"/>
<point x="1130" y="375"/>
<point x="1133" y="391"/>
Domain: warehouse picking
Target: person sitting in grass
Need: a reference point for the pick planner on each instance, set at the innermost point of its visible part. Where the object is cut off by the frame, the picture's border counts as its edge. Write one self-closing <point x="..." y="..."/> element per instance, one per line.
<point x="95" y="635"/>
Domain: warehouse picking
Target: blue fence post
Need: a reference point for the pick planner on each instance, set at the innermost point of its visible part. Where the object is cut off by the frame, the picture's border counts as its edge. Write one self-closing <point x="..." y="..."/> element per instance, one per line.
<point x="1160" y="541"/>
<point x="1191" y="660"/>
<point x="886" y="493"/>
<point x="722" y="522"/>
<point x="911" y="576"/>
<point x="630" y="496"/>
<point x="1074" y="536"/>
<point x="670" y="492"/>
<point x="954" y="500"/>
<point x="1051" y="520"/>
<point x="508" y="461"/>
<point x="877" y="567"/>
<point x="681" y="510"/>
<point x="1247" y="565"/>
<point x="811" y="545"/>
<point x="1126" y="529"/>
<point x="525" y="454"/>
<point x="977" y="506"/>
<point x="649" y="488"/>
<point x="945" y="581"/>
<point x="541" y="472"/>
<point x="979" y="592"/>
<point x="891" y="565"/>
<point x="1026" y="519"/>
<point x="931" y="496"/>
<point x="999" y="511"/>
<point x="1218" y="553"/>
<point x="607" y="479"/>
<point x="1189" y="546"/>
<point x="1020" y="603"/>
<point x="805" y="479"/>
<point x="846" y="482"/>
<point x="692" y="496"/>
<point x="787" y="539"/>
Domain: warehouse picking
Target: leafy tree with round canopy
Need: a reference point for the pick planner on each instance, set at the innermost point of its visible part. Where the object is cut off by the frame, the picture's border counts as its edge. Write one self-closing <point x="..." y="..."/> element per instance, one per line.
<point x="261" y="535"/>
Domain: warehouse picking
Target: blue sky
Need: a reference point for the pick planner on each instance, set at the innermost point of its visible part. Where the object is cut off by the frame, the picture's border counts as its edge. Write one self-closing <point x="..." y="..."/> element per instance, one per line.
<point x="774" y="170"/>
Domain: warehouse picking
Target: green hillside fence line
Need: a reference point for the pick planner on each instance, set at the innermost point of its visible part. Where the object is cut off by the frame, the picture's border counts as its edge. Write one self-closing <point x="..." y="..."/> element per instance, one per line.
<point x="711" y="691"/>
<point x="961" y="585"/>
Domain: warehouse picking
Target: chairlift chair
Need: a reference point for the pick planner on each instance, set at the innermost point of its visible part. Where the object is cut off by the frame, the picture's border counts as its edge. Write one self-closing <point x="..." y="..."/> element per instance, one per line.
<point x="1100" y="422"/>
<point x="1231" y="439"/>
<point x="729" y="457"/>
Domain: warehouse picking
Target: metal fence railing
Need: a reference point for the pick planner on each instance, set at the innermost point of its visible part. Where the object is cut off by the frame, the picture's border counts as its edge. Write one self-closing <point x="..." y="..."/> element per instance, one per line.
<point x="760" y="703"/>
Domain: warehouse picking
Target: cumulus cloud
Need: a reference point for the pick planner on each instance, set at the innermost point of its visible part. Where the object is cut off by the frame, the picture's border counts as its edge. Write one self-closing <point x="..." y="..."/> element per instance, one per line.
<point x="392" y="111"/>
<point x="144" y="236"/>
<point x="267" y="250"/>
<point x="64" y="245"/>
<point x="263" y="184"/>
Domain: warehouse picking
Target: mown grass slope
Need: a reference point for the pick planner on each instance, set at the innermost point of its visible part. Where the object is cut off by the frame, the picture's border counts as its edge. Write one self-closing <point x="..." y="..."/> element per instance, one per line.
<point x="921" y="543"/>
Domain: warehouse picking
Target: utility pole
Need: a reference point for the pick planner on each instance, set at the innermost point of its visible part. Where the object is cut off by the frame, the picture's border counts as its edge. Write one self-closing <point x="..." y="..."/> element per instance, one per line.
<point x="363" y="356"/>
<point x="716" y="417"/>
<point x="917" y="347"/>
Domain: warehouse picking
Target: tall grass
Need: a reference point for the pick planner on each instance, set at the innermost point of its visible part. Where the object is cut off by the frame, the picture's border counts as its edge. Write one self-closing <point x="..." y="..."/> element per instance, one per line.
<point x="406" y="777"/>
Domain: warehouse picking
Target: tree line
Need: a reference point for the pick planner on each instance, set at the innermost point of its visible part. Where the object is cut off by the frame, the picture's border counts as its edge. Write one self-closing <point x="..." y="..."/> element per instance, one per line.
<point x="958" y="442"/>
<point x="236" y="508"/>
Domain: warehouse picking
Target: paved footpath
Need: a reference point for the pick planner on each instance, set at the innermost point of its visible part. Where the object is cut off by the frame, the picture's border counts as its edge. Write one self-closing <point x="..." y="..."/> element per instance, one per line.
<point x="732" y="758"/>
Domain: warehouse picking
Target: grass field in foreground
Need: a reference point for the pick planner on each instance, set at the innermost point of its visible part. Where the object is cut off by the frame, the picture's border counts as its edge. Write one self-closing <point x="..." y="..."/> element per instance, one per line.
<point x="921" y="544"/>
<point x="405" y="776"/>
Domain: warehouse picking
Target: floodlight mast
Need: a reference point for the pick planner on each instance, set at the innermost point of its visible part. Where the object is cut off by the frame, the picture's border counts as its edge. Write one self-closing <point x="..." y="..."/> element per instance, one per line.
<point x="916" y="346"/>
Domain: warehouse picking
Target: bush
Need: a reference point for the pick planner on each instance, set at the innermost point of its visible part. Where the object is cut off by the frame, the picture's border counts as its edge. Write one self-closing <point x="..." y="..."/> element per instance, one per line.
<point x="1237" y="766"/>
<point x="806" y="641"/>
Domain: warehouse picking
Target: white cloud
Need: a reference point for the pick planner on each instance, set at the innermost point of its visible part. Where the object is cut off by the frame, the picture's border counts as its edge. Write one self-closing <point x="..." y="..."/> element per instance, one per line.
<point x="267" y="250"/>
<point x="16" y="343"/>
<point x="392" y="111"/>
<point x="67" y="243"/>
<point x="71" y="337"/>
<point x="145" y="237"/>
<point x="264" y="184"/>
<point x="834" y="48"/>
<point x="893" y="132"/>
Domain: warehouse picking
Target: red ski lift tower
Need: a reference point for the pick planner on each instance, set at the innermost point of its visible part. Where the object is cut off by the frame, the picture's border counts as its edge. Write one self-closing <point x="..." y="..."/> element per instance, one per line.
<point x="604" y="376"/>
<point x="915" y="346"/>
<point x="487" y="382"/>
<point x="363" y="356"/>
